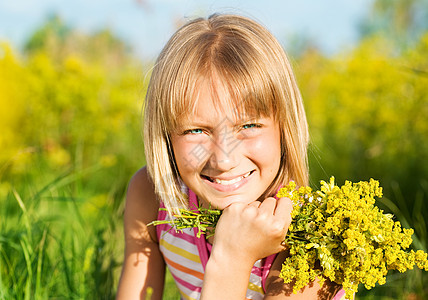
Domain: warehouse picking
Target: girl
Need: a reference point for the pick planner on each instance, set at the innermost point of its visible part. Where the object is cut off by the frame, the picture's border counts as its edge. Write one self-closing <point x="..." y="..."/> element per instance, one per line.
<point x="224" y="127"/>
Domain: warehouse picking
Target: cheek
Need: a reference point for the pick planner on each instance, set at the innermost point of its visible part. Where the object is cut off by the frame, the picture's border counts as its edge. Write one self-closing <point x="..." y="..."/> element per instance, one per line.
<point x="188" y="155"/>
<point x="180" y="150"/>
<point x="267" y="151"/>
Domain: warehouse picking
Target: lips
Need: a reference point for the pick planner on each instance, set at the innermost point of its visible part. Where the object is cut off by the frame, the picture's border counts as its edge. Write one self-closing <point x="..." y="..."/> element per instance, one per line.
<point x="227" y="181"/>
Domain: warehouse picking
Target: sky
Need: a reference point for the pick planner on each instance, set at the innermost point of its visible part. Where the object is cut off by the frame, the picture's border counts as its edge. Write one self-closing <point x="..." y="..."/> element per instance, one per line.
<point x="146" y="25"/>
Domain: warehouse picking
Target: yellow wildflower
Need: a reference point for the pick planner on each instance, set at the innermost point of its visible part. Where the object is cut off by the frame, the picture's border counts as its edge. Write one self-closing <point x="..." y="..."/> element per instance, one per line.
<point x="340" y="229"/>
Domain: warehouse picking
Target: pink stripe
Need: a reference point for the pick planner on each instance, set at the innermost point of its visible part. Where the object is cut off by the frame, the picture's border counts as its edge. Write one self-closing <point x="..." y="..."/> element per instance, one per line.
<point x="186" y="284"/>
<point x="257" y="271"/>
<point x="178" y="234"/>
<point x="266" y="268"/>
<point x="161" y="216"/>
<point x="339" y="294"/>
<point x="193" y="200"/>
<point x="161" y="229"/>
<point x="201" y="243"/>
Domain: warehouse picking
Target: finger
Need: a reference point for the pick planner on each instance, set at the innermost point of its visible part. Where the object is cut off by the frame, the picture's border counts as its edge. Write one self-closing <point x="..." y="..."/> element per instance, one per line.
<point x="235" y="205"/>
<point x="283" y="209"/>
<point x="268" y="206"/>
<point x="255" y="204"/>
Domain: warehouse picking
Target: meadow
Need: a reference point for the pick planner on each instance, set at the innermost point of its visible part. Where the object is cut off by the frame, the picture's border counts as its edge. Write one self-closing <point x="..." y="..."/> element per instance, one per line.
<point x="70" y="139"/>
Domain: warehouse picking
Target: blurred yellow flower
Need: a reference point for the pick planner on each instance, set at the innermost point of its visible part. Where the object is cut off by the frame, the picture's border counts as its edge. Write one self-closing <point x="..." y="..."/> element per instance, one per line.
<point x="108" y="160"/>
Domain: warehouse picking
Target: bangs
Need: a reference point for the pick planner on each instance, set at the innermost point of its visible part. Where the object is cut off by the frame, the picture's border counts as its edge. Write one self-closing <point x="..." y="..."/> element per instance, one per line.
<point x="249" y="95"/>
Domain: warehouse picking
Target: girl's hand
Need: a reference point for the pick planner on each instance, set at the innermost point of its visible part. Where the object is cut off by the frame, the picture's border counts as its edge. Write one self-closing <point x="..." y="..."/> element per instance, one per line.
<point x="248" y="232"/>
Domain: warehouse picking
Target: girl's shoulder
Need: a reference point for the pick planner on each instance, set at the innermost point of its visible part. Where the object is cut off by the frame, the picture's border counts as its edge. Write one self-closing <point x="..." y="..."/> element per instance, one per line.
<point x="142" y="206"/>
<point x="141" y="183"/>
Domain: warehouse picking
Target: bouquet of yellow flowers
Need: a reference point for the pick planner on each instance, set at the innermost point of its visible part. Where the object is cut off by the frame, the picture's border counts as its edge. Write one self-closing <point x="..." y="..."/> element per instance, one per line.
<point x="336" y="233"/>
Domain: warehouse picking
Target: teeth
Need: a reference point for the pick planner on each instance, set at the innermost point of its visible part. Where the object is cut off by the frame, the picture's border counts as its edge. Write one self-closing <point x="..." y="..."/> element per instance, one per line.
<point x="232" y="181"/>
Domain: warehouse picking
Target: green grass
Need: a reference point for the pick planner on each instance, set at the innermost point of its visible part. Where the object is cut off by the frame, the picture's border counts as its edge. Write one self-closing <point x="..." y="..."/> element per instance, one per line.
<point x="55" y="244"/>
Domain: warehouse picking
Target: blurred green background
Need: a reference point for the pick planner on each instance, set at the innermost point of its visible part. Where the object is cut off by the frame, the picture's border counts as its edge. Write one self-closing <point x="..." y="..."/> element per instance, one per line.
<point x="70" y="138"/>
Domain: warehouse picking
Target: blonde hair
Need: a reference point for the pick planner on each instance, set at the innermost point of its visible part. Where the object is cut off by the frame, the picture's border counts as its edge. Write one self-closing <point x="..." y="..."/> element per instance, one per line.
<point x="253" y="68"/>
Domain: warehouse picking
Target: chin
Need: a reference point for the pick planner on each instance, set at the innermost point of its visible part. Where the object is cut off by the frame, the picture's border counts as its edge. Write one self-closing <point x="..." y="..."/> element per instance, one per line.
<point x="223" y="202"/>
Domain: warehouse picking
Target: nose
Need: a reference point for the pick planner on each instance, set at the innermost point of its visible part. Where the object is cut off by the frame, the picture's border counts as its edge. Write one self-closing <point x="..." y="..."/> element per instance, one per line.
<point x="224" y="154"/>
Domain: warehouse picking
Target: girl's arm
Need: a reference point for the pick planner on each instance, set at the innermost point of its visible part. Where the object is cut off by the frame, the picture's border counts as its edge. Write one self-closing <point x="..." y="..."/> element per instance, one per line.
<point x="244" y="234"/>
<point x="143" y="265"/>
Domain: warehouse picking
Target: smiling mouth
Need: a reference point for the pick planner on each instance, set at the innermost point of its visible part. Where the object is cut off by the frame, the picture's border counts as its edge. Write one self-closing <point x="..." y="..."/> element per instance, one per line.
<point x="227" y="182"/>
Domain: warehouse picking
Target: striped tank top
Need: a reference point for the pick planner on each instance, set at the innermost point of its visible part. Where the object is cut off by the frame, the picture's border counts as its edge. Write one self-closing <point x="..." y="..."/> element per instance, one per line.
<point x="186" y="256"/>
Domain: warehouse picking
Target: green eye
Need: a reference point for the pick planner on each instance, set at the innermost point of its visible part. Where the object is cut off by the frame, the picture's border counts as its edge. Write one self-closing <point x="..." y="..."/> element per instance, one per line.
<point x="193" y="131"/>
<point x="251" y="125"/>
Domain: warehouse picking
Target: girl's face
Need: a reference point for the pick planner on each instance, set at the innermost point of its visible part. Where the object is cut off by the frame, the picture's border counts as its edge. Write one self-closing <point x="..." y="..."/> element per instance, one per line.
<point x="224" y="158"/>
